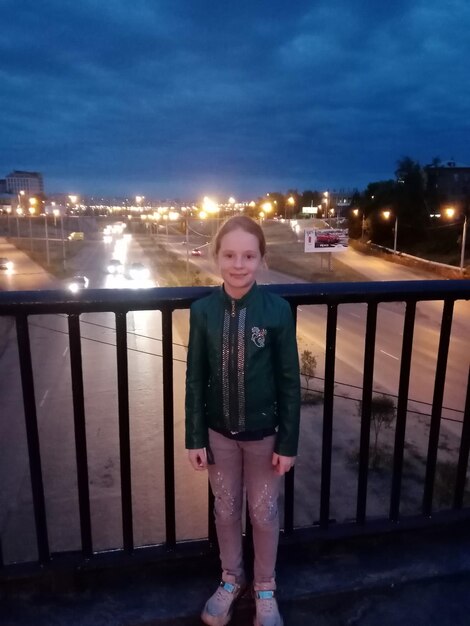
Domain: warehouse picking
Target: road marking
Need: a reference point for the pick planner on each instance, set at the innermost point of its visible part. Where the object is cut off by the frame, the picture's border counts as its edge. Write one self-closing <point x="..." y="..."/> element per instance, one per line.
<point x="339" y="328"/>
<point x="65" y="351"/>
<point x="390" y="355"/>
<point x="355" y="315"/>
<point x="299" y="308"/>
<point x="46" y="393"/>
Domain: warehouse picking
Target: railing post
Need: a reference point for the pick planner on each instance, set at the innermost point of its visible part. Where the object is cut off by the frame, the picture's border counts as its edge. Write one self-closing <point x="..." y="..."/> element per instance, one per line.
<point x="124" y="432"/>
<point x="464" y="451"/>
<point x="80" y="434"/>
<point x="402" y="408"/>
<point x="436" y="411"/>
<point x="168" y="427"/>
<point x="32" y="433"/>
<point x="368" y="379"/>
<point x="289" y="480"/>
<point x="327" y="439"/>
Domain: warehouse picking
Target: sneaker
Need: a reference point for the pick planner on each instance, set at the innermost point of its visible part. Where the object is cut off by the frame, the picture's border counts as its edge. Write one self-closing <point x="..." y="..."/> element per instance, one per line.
<point x="267" y="611"/>
<point x="218" y="609"/>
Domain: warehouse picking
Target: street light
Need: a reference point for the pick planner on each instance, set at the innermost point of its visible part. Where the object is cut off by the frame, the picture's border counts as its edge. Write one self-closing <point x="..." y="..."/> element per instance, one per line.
<point x="325" y="200"/>
<point x="464" y="237"/>
<point x="291" y="201"/>
<point x="356" y="213"/>
<point x="449" y="213"/>
<point x="32" y="211"/>
<point x="387" y="215"/>
<point x="267" y="208"/>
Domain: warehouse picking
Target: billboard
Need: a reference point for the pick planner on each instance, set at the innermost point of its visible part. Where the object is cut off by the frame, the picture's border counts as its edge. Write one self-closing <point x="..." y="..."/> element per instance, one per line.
<point x="326" y="239"/>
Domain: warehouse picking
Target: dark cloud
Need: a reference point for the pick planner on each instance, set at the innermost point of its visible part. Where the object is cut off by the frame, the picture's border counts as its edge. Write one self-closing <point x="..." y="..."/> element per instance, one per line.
<point x="172" y="97"/>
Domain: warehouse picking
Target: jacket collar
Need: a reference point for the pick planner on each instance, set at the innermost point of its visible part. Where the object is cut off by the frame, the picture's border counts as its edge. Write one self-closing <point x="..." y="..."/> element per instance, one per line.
<point x="239" y="302"/>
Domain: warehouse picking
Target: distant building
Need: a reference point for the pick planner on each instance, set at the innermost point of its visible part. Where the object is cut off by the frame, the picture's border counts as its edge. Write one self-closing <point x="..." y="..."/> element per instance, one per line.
<point x="29" y="182"/>
<point x="448" y="183"/>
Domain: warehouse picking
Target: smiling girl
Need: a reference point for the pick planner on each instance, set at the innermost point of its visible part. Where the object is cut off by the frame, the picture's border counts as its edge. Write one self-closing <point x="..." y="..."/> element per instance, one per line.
<point x="242" y="413"/>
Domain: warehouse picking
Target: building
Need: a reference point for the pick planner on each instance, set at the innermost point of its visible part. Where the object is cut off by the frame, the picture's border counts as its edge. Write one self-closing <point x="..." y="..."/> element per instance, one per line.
<point x="29" y="182"/>
<point x="448" y="183"/>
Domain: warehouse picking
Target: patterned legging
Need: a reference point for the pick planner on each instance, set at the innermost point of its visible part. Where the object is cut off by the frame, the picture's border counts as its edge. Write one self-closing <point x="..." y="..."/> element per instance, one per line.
<point x="239" y="464"/>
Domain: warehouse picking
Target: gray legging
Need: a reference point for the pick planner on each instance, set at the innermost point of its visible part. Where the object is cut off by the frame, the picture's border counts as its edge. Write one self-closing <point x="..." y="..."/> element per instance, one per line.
<point x="238" y="464"/>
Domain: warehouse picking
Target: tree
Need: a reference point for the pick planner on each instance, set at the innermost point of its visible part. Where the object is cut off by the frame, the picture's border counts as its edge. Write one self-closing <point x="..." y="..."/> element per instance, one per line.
<point x="382" y="416"/>
<point x="410" y="200"/>
<point x="308" y="365"/>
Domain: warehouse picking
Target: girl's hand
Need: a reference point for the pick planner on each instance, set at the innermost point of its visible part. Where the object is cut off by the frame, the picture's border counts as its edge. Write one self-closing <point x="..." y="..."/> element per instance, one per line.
<point x="198" y="459"/>
<point x="282" y="464"/>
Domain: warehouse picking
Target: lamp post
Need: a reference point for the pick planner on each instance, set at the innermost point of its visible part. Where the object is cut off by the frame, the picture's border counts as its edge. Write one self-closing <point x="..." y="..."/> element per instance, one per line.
<point x="325" y="200"/>
<point x="47" y="240"/>
<point x="356" y="213"/>
<point x="387" y="215"/>
<point x="291" y="201"/>
<point x="32" y="211"/>
<point x="8" y="220"/>
<point x="464" y="237"/>
<point x="63" y="240"/>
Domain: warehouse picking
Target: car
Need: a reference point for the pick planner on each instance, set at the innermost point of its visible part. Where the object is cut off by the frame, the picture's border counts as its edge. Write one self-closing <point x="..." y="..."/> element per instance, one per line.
<point x="77" y="283"/>
<point x="327" y="238"/>
<point x="76" y="236"/>
<point x="6" y="264"/>
<point x="196" y="252"/>
<point x="115" y="266"/>
<point x="138" y="271"/>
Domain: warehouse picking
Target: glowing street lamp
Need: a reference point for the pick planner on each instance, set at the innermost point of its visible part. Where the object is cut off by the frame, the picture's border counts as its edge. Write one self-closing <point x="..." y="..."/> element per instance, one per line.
<point x="267" y="207"/>
<point x="449" y="212"/>
<point x="387" y="214"/>
<point x="291" y="202"/>
<point x="356" y="214"/>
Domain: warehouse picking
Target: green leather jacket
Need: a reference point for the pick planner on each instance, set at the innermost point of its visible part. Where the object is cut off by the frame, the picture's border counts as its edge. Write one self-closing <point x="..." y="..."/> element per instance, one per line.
<point x="242" y="368"/>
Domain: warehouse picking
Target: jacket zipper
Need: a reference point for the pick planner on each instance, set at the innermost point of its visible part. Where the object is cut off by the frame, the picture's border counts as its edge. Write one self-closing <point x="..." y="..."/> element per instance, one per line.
<point x="233" y="373"/>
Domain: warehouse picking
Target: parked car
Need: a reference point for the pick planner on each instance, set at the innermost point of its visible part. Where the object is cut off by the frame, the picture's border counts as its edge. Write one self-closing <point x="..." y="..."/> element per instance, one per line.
<point x="5" y="264"/>
<point x="77" y="283"/>
<point x="115" y="266"/>
<point x="196" y="252"/>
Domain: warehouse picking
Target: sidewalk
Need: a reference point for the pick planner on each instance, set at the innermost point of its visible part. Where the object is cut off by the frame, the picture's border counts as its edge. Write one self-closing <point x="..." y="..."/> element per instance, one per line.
<point x="403" y="579"/>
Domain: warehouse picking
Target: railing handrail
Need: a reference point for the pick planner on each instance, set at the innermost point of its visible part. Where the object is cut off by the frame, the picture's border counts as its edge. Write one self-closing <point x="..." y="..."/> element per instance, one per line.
<point x="100" y="300"/>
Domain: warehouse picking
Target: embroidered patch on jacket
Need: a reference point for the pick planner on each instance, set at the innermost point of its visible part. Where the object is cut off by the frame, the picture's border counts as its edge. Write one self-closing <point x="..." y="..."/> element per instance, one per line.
<point x="258" y="336"/>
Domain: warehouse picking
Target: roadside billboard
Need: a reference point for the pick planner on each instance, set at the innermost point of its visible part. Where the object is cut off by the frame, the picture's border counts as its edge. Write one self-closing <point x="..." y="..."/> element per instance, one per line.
<point x="325" y="240"/>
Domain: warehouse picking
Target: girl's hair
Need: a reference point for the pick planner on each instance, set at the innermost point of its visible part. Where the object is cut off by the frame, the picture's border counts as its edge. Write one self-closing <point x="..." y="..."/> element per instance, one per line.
<point x="242" y="222"/>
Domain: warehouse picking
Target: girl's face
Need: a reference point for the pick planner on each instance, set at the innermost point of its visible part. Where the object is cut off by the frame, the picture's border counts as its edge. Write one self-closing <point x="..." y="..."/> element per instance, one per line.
<point x="238" y="260"/>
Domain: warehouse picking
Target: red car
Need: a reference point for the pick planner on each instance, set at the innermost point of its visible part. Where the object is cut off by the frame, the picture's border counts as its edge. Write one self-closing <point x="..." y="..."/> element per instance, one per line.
<point x="328" y="238"/>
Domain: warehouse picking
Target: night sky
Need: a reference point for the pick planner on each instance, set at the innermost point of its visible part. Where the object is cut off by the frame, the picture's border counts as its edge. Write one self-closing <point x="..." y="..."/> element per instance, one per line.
<point x="182" y="98"/>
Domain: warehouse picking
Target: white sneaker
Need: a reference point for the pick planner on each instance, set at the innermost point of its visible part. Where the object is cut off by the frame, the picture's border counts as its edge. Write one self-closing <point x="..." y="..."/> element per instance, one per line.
<point x="267" y="611"/>
<point x="219" y="608"/>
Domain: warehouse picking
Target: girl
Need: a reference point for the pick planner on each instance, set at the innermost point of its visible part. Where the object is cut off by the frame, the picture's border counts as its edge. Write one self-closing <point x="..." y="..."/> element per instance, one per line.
<point x="242" y="413"/>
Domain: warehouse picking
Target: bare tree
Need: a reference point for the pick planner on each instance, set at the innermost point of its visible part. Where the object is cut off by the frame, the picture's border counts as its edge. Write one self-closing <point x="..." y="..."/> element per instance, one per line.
<point x="308" y="365"/>
<point x="383" y="414"/>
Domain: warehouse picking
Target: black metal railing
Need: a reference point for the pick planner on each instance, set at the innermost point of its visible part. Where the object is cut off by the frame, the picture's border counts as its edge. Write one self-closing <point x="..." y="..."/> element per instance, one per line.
<point x="24" y="306"/>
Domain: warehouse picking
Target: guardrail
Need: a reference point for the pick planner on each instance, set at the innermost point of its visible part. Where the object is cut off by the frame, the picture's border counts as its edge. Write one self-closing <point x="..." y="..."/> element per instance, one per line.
<point x="24" y="306"/>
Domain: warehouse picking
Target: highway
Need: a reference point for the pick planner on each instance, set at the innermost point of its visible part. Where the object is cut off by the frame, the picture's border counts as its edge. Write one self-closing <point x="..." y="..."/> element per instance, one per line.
<point x="53" y="397"/>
